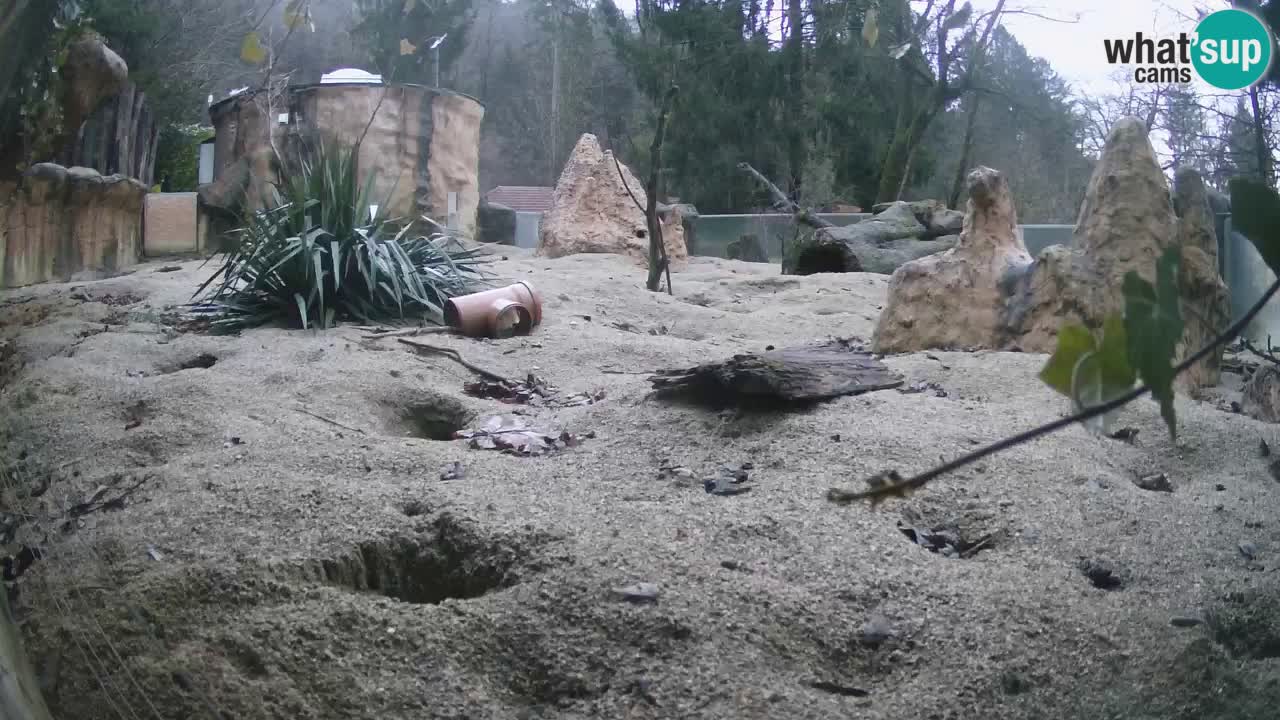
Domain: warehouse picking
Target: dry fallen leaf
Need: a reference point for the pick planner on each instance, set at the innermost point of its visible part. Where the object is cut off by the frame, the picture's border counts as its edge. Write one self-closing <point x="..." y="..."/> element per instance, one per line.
<point x="251" y="50"/>
<point x="512" y="434"/>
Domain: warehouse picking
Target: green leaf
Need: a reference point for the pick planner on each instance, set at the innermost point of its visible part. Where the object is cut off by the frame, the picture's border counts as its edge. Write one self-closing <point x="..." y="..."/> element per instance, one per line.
<point x="1088" y="370"/>
<point x="1103" y="375"/>
<point x="1153" y="321"/>
<point x="1255" y="213"/>
<point x="1074" y="341"/>
<point x="1115" y="373"/>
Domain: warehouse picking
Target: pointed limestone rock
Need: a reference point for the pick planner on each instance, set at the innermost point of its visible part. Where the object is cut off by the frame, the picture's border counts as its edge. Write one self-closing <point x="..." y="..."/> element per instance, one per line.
<point x="1127" y="219"/>
<point x="1206" y="303"/>
<point x="593" y="212"/>
<point x="1125" y="223"/>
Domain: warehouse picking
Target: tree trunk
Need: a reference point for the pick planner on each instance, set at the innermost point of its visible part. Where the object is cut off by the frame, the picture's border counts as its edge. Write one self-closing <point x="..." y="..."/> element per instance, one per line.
<point x="658" y="261"/>
<point x="1260" y="148"/>
<point x="796" y="134"/>
<point x="897" y="163"/>
<point x="957" y="185"/>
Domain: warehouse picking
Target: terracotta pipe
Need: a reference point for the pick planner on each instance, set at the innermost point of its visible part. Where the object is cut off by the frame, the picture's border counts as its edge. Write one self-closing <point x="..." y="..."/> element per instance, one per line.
<point x="499" y="313"/>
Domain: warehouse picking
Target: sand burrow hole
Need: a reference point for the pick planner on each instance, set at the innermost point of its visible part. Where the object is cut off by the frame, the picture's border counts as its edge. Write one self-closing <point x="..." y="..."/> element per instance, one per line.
<point x="451" y="559"/>
<point x="426" y="415"/>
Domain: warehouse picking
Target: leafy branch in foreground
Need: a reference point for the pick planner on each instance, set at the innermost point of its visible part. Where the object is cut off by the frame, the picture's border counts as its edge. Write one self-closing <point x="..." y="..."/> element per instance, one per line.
<point x="1097" y="373"/>
<point x="320" y="255"/>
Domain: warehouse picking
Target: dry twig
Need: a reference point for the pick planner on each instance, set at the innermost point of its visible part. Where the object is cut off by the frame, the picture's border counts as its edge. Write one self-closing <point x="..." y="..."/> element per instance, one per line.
<point x="456" y="357"/>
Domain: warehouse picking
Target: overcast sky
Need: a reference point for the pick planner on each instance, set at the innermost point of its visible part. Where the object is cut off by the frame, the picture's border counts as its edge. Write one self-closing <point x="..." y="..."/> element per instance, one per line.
<point x="1075" y="50"/>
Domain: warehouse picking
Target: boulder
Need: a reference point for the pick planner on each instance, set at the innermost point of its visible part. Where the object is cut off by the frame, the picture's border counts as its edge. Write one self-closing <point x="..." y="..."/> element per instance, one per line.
<point x="937" y="218"/>
<point x="956" y="299"/>
<point x="91" y="73"/>
<point x="879" y="244"/>
<point x="495" y="224"/>
<point x="593" y="211"/>
<point x="747" y="248"/>
<point x="1260" y="398"/>
<point x="987" y="293"/>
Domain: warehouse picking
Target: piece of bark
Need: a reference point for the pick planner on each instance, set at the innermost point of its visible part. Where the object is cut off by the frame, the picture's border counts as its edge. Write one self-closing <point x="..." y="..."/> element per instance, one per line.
<point x="800" y="374"/>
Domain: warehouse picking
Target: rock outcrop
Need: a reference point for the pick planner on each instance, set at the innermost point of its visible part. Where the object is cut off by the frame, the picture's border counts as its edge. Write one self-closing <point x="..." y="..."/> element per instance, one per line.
<point x="495" y="224"/>
<point x="92" y="73"/>
<point x="593" y="212"/>
<point x="937" y="218"/>
<point x="898" y="233"/>
<point x="987" y="293"/>
<point x="61" y="224"/>
<point x="1125" y="223"/>
<point x="956" y="299"/>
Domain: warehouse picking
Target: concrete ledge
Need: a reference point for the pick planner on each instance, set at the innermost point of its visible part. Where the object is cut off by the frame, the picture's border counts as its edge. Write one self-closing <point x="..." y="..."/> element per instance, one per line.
<point x="58" y="223"/>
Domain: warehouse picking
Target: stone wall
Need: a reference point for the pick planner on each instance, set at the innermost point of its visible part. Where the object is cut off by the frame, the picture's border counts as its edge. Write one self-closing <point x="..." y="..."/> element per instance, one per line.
<point x="60" y="224"/>
<point x="423" y="143"/>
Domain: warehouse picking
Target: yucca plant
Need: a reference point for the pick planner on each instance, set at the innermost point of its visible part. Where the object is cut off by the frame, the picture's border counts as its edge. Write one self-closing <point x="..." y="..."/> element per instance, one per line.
<point x="318" y="255"/>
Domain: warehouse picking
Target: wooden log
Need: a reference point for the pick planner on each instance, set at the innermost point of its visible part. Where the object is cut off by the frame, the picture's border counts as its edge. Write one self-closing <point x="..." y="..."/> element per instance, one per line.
<point x="789" y="375"/>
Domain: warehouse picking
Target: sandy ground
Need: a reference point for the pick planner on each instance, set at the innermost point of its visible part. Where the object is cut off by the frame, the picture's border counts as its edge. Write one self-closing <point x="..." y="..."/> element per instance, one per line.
<point x="242" y="556"/>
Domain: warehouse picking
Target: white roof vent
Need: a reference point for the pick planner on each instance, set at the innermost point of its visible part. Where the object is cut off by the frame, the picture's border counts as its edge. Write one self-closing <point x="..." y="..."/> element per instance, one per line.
<point x="350" y="75"/>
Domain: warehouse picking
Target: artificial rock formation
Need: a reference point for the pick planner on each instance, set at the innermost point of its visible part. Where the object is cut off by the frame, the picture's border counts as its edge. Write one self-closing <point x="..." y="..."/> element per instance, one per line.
<point x="1206" y="301"/>
<point x="991" y="295"/>
<point x="92" y="73"/>
<point x="65" y="223"/>
<point x="420" y="144"/>
<point x="593" y="212"/>
<point x="688" y="216"/>
<point x="955" y="299"/>
<point x="898" y="233"/>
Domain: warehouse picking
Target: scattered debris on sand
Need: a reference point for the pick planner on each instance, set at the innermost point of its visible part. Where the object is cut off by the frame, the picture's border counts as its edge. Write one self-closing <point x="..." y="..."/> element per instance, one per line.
<point x="512" y="434"/>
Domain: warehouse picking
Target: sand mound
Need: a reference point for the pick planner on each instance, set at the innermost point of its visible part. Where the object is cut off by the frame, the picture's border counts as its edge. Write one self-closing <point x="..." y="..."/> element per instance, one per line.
<point x="276" y="528"/>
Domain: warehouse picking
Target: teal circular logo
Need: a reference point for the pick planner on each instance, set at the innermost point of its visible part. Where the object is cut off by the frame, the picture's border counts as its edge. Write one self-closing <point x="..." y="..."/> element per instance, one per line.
<point x="1232" y="49"/>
